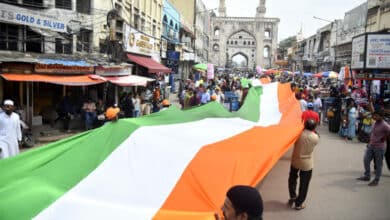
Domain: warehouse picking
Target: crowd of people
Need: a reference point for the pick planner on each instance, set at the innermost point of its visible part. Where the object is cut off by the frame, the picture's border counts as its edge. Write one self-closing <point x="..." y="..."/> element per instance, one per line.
<point x="349" y="111"/>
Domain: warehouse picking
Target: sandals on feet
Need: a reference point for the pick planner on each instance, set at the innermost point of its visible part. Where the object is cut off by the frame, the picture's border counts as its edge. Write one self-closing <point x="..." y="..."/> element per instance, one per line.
<point x="300" y="207"/>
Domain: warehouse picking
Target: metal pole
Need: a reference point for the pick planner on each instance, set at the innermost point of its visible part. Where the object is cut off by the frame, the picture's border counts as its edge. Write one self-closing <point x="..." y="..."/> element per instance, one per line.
<point x="28" y="115"/>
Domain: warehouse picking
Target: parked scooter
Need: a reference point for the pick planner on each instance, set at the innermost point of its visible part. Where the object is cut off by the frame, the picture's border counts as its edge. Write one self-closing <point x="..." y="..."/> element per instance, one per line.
<point x="28" y="140"/>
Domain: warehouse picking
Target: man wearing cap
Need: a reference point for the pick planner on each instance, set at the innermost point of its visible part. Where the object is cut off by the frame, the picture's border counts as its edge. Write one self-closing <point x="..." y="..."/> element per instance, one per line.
<point x="242" y="203"/>
<point x="10" y="131"/>
<point x="164" y="105"/>
<point x="302" y="165"/>
<point x="310" y="114"/>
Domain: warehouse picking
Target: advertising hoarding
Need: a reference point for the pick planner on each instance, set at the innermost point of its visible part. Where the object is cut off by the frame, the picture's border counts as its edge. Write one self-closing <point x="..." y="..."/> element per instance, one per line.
<point x="378" y="51"/>
<point x="137" y="42"/>
<point x="51" y="19"/>
<point x="357" y="59"/>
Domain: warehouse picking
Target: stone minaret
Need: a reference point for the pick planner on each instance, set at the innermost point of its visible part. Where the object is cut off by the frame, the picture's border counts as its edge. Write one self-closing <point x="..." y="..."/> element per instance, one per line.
<point x="260" y="11"/>
<point x="222" y="8"/>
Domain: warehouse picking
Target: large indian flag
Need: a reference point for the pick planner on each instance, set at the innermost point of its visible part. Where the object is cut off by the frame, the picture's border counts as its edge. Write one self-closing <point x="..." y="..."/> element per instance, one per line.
<point x="169" y="165"/>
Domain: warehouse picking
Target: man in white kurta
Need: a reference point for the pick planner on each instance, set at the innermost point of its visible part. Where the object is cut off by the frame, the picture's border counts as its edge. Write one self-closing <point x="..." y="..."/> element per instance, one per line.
<point x="10" y="131"/>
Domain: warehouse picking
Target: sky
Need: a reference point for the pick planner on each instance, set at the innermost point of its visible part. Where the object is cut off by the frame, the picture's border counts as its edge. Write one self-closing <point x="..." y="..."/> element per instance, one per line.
<point x="292" y="13"/>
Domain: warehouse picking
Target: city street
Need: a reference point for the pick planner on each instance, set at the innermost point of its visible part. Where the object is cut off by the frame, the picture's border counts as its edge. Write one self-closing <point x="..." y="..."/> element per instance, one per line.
<point x="334" y="193"/>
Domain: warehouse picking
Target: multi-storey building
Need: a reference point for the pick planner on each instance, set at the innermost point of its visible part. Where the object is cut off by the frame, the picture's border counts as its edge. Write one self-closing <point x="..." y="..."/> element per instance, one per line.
<point x="49" y="37"/>
<point x="202" y="32"/>
<point x="50" y="41"/>
<point x="331" y="47"/>
<point x="186" y="36"/>
<point x="378" y="16"/>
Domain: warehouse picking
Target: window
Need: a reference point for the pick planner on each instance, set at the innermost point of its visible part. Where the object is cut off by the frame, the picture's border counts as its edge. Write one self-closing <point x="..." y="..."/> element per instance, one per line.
<point x="9" y="36"/>
<point x="267" y="34"/>
<point x="227" y="42"/>
<point x="33" y="41"/>
<point x="143" y="26"/>
<point x="154" y="30"/>
<point x="136" y="21"/>
<point x="84" y="40"/>
<point x="216" y="31"/>
<point x="266" y="52"/>
<point x="64" y="4"/>
<point x="64" y="46"/>
<point x="216" y="47"/>
<point x="239" y="37"/>
<point x="34" y="3"/>
<point x="235" y="42"/>
<point x="244" y="42"/>
<point x="83" y="6"/>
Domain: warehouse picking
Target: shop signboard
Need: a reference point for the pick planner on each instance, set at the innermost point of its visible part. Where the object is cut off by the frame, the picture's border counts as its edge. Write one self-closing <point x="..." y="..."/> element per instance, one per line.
<point x="173" y="58"/>
<point x="116" y="70"/>
<point x="138" y="42"/>
<point x="357" y="59"/>
<point x="378" y="51"/>
<point x="58" y="68"/>
<point x="52" y="19"/>
<point x="188" y="56"/>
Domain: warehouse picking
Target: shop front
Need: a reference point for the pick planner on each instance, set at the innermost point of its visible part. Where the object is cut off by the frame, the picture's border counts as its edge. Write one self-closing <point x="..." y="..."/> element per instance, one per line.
<point x="119" y="79"/>
<point x="143" y="51"/>
<point x="370" y="62"/>
<point x="38" y="87"/>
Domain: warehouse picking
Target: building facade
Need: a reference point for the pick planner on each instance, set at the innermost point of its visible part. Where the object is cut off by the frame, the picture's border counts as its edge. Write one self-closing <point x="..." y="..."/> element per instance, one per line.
<point x="331" y="47"/>
<point x="254" y="38"/>
<point x="378" y="16"/>
<point x="202" y="32"/>
<point x="186" y="36"/>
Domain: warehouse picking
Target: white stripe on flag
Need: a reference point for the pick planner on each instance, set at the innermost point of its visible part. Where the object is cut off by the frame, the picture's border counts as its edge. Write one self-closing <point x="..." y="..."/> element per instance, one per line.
<point x="269" y="106"/>
<point x="136" y="179"/>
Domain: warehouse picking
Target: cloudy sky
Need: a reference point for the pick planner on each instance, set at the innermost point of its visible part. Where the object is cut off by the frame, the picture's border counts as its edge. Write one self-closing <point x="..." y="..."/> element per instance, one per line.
<point x="292" y="13"/>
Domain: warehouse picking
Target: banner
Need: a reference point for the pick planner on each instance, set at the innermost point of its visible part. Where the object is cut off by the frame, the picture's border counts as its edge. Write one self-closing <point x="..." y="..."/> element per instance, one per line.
<point x="258" y="70"/>
<point x="210" y="71"/>
<point x="51" y="19"/>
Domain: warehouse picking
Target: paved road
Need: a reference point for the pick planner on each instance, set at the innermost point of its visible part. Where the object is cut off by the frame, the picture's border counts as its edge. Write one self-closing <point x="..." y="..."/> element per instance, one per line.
<point x="334" y="193"/>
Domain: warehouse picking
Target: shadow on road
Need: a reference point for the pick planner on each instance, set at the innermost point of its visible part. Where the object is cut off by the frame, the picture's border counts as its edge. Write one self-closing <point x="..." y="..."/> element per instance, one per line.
<point x="276" y="206"/>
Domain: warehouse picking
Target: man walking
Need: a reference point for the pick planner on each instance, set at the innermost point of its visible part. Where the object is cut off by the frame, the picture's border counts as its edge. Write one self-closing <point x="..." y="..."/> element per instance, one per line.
<point x="302" y="164"/>
<point x="10" y="131"/>
<point x="376" y="148"/>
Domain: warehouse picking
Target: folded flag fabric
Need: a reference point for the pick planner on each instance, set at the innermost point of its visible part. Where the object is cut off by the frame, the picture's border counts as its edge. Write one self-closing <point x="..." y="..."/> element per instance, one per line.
<point x="168" y="165"/>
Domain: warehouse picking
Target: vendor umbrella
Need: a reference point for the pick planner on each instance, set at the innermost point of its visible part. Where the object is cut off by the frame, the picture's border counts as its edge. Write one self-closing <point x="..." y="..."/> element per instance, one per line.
<point x="308" y="74"/>
<point x="318" y="75"/>
<point x="333" y="75"/>
<point x="200" y="66"/>
<point x="330" y="74"/>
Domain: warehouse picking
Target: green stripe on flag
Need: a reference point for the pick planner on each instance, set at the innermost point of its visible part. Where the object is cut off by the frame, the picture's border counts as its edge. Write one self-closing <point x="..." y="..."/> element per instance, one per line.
<point x="33" y="180"/>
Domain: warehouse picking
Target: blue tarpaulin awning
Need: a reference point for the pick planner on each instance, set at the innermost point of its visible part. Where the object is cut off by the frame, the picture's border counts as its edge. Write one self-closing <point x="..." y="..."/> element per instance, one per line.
<point x="64" y="62"/>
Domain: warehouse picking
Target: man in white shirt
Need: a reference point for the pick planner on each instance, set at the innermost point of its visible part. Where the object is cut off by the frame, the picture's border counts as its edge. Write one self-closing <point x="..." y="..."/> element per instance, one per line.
<point x="10" y="131"/>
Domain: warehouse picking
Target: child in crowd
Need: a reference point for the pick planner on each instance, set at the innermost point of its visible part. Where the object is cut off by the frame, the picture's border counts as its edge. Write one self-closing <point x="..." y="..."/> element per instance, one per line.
<point x="344" y="127"/>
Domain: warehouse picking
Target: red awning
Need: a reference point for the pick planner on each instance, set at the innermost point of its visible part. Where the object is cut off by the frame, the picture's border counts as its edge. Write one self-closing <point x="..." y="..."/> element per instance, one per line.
<point x="67" y="80"/>
<point x="130" y="80"/>
<point x="149" y="63"/>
